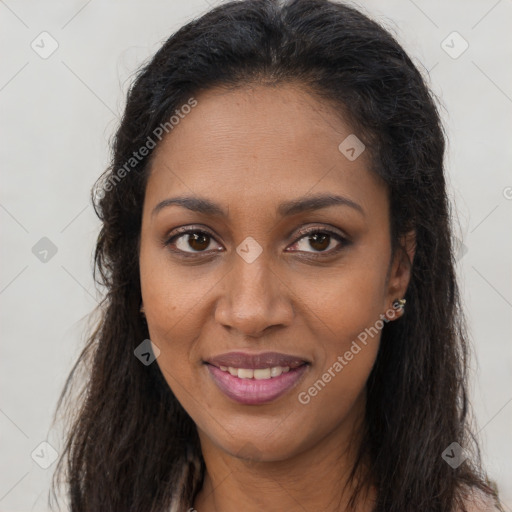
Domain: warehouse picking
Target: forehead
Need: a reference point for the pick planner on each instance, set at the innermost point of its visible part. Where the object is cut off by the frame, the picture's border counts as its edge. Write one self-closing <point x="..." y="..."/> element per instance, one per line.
<point x="258" y="143"/>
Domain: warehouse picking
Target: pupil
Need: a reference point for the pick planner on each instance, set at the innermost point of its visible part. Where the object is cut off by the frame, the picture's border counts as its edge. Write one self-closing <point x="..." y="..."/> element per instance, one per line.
<point x="197" y="237"/>
<point x="322" y="237"/>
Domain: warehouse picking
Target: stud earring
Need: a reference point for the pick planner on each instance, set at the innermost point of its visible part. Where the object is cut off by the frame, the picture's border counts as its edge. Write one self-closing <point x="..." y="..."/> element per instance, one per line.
<point x="399" y="303"/>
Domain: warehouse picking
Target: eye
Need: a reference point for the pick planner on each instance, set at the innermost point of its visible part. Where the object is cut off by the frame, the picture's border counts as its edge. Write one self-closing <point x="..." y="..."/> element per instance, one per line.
<point x="321" y="240"/>
<point x="190" y="241"/>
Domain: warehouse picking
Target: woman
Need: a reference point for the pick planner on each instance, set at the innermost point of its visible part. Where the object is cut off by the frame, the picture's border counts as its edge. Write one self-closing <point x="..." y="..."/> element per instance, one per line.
<point x="275" y="221"/>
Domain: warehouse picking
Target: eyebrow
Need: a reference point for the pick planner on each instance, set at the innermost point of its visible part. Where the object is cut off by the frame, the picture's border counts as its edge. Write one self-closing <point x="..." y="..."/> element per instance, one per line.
<point x="293" y="207"/>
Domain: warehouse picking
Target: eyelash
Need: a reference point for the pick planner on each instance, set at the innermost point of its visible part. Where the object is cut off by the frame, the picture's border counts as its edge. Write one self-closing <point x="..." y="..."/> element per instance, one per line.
<point x="303" y="233"/>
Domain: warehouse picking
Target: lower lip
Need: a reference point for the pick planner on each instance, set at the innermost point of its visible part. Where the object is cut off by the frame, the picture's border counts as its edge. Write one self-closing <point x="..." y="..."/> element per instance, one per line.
<point x="255" y="391"/>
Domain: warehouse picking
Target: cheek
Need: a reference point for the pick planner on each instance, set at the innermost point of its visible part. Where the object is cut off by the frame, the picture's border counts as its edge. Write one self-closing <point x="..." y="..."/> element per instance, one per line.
<point x="345" y="319"/>
<point x="344" y="302"/>
<point x="171" y="305"/>
<point x="169" y="293"/>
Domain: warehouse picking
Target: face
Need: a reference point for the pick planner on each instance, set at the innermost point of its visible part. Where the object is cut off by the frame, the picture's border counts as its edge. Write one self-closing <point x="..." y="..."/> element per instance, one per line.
<point x="259" y="288"/>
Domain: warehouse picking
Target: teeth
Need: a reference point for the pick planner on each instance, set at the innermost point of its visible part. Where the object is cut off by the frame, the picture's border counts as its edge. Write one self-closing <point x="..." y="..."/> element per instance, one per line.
<point x="245" y="374"/>
<point x="263" y="373"/>
<point x="258" y="374"/>
<point x="276" y="371"/>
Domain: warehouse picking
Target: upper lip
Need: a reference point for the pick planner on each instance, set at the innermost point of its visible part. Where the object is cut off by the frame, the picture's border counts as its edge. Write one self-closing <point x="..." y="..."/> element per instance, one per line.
<point x="255" y="361"/>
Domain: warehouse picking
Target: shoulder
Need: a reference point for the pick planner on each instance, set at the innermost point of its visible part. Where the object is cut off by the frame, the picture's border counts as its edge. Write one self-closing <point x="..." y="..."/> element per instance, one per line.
<point x="476" y="500"/>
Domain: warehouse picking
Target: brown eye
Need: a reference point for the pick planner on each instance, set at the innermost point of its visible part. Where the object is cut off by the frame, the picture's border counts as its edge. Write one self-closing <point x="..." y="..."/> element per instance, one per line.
<point x="198" y="241"/>
<point x="190" y="241"/>
<point x="320" y="240"/>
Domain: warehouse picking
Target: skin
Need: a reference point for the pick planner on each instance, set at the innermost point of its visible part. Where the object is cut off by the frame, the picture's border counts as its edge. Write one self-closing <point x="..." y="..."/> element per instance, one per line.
<point x="249" y="150"/>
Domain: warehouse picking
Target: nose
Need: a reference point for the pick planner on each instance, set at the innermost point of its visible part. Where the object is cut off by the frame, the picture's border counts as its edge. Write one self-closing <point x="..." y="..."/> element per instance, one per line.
<point x="254" y="299"/>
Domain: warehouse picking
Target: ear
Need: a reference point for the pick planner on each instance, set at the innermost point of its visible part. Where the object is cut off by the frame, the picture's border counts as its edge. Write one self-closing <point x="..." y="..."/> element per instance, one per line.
<point x="400" y="271"/>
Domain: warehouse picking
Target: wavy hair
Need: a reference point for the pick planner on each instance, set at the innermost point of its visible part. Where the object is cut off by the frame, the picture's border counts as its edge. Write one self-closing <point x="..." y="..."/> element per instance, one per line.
<point x="130" y="445"/>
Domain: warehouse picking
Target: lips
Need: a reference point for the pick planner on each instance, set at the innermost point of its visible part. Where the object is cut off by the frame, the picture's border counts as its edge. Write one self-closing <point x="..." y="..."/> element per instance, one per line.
<point x="255" y="392"/>
<point x="256" y="361"/>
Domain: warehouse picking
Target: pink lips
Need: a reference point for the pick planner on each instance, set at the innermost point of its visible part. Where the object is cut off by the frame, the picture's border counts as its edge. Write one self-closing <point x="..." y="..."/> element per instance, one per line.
<point x="256" y="391"/>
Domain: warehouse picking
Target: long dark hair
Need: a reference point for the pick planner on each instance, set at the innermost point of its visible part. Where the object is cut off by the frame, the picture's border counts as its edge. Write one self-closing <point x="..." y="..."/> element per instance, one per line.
<point x="131" y="446"/>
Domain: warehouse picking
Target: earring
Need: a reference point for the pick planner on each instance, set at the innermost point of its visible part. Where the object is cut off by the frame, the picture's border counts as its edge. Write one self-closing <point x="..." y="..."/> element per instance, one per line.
<point x="399" y="303"/>
<point x="142" y="309"/>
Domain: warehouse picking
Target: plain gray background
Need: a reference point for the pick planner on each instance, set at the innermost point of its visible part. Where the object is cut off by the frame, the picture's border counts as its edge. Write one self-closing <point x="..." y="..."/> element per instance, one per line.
<point x="58" y="113"/>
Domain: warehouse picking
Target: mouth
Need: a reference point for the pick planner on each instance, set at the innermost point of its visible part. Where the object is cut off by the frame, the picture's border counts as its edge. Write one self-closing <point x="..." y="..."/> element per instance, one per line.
<point x="253" y="379"/>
